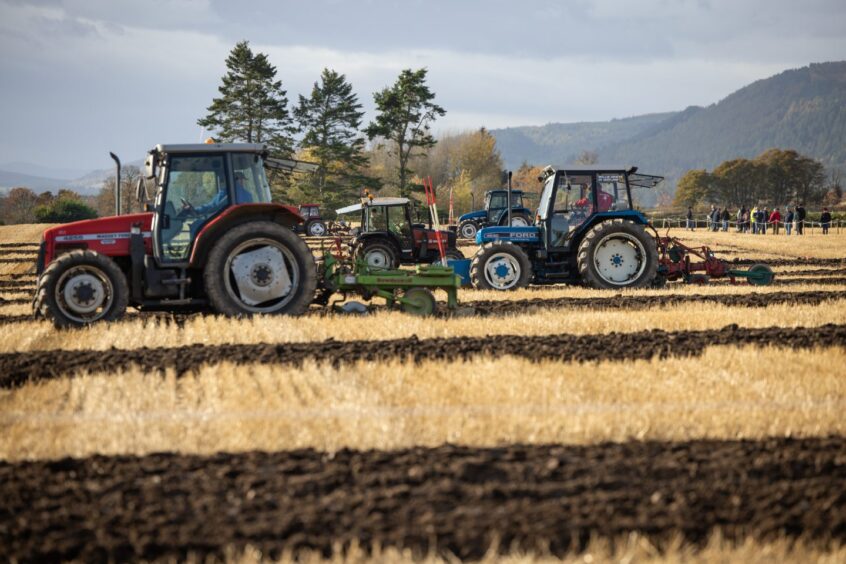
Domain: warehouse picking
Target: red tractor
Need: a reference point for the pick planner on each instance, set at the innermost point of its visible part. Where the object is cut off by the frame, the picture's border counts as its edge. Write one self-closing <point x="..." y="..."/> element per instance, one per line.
<point x="213" y="238"/>
<point x="314" y="224"/>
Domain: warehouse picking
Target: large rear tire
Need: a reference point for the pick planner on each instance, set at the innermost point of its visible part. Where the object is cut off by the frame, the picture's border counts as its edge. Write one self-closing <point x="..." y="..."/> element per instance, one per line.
<point x="316" y="228"/>
<point x="500" y="266"/>
<point x="260" y="267"/>
<point x="80" y="288"/>
<point x="468" y="229"/>
<point x="617" y="254"/>
<point x="518" y="219"/>
<point x="378" y="254"/>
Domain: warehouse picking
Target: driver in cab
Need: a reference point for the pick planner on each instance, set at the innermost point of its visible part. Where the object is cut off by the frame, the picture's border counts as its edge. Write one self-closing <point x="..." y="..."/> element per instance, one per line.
<point x="242" y="196"/>
<point x="586" y="203"/>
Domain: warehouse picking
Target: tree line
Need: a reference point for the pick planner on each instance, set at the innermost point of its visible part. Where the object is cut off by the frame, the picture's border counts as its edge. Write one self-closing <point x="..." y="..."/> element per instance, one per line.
<point x="776" y="177"/>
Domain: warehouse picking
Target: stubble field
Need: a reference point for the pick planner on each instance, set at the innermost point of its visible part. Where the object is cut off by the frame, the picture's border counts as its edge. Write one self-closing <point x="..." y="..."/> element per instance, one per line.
<point x="689" y="423"/>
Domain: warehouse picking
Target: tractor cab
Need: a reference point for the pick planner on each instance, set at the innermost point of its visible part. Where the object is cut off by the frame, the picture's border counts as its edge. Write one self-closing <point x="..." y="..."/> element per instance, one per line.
<point x="388" y="237"/>
<point x="577" y="197"/>
<point x="495" y="203"/>
<point x="196" y="183"/>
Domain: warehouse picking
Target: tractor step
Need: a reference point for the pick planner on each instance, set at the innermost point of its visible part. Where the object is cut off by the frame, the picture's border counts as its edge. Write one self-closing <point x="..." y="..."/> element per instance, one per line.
<point x="176" y="281"/>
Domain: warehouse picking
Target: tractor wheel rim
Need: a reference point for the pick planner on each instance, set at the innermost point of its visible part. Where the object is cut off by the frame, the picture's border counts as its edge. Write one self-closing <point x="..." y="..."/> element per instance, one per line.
<point x="468" y="231"/>
<point x="619" y="259"/>
<point x="377" y="258"/>
<point x="84" y="294"/>
<point x="502" y="271"/>
<point x="261" y="275"/>
<point x="317" y="229"/>
<point x="519" y="222"/>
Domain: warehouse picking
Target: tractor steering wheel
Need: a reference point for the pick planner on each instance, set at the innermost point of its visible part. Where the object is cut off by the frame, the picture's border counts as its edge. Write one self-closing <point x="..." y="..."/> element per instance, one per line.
<point x="187" y="207"/>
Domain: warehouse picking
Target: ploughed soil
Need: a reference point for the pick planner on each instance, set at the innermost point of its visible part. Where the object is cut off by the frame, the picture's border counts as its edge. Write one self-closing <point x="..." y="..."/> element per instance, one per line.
<point x="621" y="301"/>
<point x="18" y="368"/>
<point x="449" y="499"/>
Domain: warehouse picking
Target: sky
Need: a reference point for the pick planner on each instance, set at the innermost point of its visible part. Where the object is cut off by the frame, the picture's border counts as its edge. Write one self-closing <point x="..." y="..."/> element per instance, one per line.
<point x="80" y="78"/>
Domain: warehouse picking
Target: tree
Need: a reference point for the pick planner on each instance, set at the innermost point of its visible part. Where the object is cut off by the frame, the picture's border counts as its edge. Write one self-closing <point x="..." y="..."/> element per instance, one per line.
<point x="63" y="210"/>
<point x="739" y="182"/>
<point x="693" y="188"/>
<point x="105" y="200"/>
<point x="405" y="112"/>
<point x="587" y="158"/>
<point x="330" y="119"/>
<point x="19" y="206"/>
<point x="252" y="106"/>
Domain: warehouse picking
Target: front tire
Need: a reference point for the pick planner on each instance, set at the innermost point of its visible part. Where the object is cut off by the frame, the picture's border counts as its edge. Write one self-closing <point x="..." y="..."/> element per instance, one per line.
<point x="378" y="253"/>
<point x="80" y="288"/>
<point x="500" y="266"/>
<point x="260" y="267"/>
<point x="617" y="254"/>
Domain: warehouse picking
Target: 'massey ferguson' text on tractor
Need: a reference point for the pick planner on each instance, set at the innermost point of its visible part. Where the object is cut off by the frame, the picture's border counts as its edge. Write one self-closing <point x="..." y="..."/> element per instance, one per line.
<point x="214" y="238"/>
<point x="388" y="238"/>
<point x="495" y="213"/>
<point x="587" y="230"/>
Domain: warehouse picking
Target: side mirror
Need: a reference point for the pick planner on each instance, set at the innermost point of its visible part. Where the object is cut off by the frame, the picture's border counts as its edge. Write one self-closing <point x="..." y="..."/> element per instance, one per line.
<point x="141" y="191"/>
<point x="150" y="166"/>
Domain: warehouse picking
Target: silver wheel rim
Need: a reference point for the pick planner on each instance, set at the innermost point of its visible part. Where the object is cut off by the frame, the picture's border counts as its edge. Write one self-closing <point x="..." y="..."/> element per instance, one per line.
<point x="619" y="259"/>
<point x="502" y="271"/>
<point x="377" y="258"/>
<point x="261" y="275"/>
<point x="468" y="231"/>
<point x="84" y="293"/>
<point x="519" y="222"/>
<point x="316" y="229"/>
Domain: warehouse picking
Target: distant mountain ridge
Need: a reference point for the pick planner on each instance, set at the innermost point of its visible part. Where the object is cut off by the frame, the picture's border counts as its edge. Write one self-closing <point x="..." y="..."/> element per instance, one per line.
<point x="85" y="183"/>
<point x="802" y="109"/>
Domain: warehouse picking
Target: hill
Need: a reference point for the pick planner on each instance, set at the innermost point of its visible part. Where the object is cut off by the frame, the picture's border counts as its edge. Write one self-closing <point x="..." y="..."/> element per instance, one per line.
<point x="802" y="109"/>
<point x="561" y="142"/>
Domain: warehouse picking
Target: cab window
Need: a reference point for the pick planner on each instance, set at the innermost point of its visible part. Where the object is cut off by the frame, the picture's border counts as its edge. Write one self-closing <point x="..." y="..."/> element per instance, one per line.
<point x="572" y="205"/>
<point x="251" y="184"/>
<point x="611" y="192"/>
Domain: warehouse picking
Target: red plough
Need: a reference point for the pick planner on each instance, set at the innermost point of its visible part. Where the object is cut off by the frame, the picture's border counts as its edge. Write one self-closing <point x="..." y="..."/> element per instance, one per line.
<point x="698" y="265"/>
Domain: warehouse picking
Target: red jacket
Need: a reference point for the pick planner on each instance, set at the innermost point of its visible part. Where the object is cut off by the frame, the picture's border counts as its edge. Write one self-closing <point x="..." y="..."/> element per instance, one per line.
<point x="775" y="216"/>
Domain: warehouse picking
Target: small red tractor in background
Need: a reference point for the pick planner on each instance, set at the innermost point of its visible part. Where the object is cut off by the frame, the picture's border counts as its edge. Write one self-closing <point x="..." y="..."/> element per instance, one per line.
<point x="213" y="238"/>
<point x="675" y="263"/>
<point x="314" y="225"/>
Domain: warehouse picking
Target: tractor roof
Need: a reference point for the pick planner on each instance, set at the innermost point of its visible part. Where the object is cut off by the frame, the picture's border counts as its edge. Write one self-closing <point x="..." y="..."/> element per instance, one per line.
<point x="375" y="202"/>
<point x="596" y="168"/>
<point x="211" y="148"/>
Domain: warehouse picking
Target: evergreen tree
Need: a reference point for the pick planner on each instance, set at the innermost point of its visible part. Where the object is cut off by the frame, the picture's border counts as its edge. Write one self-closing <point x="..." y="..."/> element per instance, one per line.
<point x="406" y="109"/>
<point x="330" y="119"/>
<point x="252" y="106"/>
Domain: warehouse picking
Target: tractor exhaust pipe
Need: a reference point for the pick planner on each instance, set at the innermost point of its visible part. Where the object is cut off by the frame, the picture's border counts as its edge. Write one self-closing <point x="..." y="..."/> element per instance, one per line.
<point x="117" y="182"/>
<point x="508" y="204"/>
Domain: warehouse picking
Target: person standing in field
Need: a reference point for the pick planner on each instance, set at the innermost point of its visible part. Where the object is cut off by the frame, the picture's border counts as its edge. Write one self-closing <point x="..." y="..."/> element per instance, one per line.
<point x="740" y="213"/>
<point x="775" y="218"/>
<point x="725" y="218"/>
<point x="788" y="221"/>
<point x="800" y="219"/>
<point x="690" y="226"/>
<point x="765" y="216"/>
<point x="753" y="219"/>
<point x="825" y="220"/>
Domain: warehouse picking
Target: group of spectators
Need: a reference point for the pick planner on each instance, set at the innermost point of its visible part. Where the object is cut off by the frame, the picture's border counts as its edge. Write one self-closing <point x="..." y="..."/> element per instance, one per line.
<point x="758" y="219"/>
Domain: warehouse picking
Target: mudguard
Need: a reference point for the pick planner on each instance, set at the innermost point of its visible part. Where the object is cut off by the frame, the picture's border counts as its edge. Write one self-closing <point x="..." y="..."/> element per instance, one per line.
<point x="288" y="216"/>
<point x="479" y="214"/>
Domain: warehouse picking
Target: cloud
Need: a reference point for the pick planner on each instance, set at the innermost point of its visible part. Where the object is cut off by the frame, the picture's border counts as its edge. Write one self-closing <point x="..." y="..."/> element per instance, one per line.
<point x="82" y="77"/>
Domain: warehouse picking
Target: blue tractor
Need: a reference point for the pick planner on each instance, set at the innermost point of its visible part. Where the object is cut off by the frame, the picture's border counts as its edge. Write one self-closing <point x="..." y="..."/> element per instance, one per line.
<point x="495" y="213"/>
<point x="588" y="231"/>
